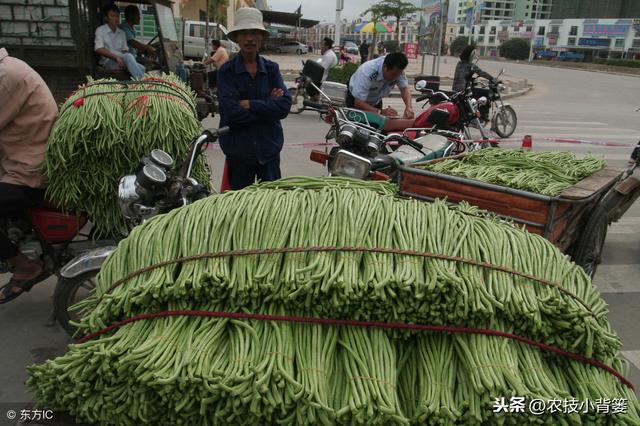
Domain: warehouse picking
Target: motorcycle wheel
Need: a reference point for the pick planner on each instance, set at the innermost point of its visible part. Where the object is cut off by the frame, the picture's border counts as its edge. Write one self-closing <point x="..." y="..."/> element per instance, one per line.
<point x="505" y="122"/>
<point x="71" y="291"/>
<point x="296" y="100"/>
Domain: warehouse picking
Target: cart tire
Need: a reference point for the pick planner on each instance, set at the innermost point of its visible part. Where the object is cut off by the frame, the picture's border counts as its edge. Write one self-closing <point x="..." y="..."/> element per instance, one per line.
<point x="588" y="248"/>
<point x="505" y="122"/>
<point x="67" y="295"/>
<point x="296" y="100"/>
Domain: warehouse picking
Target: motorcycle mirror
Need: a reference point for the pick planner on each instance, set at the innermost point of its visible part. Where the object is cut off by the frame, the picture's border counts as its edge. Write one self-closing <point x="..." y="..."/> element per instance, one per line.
<point x="421" y="85"/>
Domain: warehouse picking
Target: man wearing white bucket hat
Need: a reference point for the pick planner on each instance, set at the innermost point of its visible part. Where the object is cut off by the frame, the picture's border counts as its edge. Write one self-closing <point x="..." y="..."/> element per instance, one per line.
<point x="253" y="99"/>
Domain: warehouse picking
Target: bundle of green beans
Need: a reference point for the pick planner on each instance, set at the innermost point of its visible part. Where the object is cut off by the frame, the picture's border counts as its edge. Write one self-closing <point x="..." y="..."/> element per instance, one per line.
<point x="198" y="370"/>
<point x="547" y="173"/>
<point x="103" y="130"/>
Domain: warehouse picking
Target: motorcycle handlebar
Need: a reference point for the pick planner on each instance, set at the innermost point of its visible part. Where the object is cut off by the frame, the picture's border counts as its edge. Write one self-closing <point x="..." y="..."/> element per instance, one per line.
<point x="422" y="98"/>
<point x="207" y="136"/>
<point x="314" y="105"/>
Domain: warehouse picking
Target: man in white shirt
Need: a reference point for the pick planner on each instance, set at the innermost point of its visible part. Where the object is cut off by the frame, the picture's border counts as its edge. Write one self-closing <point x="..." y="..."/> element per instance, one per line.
<point x="328" y="60"/>
<point x="111" y="44"/>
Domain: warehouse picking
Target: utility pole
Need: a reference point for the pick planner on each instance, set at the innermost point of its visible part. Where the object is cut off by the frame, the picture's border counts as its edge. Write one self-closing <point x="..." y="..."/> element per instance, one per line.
<point x="339" y="7"/>
<point x="533" y="35"/>
<point x="440" y="37"/>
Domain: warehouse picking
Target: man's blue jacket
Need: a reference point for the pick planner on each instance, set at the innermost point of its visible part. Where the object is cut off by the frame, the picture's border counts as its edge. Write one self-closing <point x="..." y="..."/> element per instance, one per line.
<point x="256" y="132"/>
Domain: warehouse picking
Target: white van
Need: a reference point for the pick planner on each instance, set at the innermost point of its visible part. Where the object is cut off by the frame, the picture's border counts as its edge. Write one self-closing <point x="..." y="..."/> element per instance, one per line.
<point x="194" y="32"/>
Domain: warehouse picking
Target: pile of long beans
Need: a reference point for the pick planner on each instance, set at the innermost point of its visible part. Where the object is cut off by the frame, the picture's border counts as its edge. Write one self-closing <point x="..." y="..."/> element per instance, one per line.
<point x="104" y="128"/>
<point x="198" y="370"/>
<point x="547" y="173"/>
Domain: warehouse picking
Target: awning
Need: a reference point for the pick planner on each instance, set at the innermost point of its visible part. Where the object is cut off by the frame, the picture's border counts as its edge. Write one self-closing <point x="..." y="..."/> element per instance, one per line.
<point x="286" y="18"/>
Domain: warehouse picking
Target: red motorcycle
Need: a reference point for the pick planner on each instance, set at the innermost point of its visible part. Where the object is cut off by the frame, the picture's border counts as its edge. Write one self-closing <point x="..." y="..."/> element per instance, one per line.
<point x="53" y="237"/>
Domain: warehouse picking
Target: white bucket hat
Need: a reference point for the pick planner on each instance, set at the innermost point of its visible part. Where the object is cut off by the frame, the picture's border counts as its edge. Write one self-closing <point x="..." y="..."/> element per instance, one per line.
<point x="247" y="18"/>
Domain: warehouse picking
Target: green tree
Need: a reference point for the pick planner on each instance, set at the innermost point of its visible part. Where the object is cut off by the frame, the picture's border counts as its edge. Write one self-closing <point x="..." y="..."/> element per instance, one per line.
<point x="516" y="48"/>
<point x="216" y="11"/>
<point x="396" y="8"/>
<point x="458" y="45"/>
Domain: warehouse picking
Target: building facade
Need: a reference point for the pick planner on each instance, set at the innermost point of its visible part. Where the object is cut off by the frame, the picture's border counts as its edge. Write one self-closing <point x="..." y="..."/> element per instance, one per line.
<point x="475" y="11"/>
<point x="594" y="38"/>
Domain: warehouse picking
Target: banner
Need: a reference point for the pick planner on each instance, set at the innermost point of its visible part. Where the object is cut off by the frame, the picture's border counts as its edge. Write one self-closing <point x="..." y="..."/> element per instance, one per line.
<point x="411" y="50"/>
<point x="605" y="30"/>
<point x="430" y="24"/>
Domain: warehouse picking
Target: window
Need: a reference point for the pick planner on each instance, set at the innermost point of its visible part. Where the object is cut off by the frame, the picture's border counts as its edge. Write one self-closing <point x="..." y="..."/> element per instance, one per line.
<point x="526" y="15"/>
<point x="637" y="33"/>
<point x="619" y="42"/>
<point x="461" y="30"/>
<point x="203" y="15"/>
<point x="473" y="30"/>
<point x="574" y="31"/>
<point x="529" y="28"/>
<point x="541" y="31"/>
<point x="493" y="31"/>
<point x="492" y="39"/>
<point x="505" y="28"/>
<point x="636" y="43"/>
<point x="481" y="30"/>
<point x="481" y="39"/>
<point x="571" y="41"/>
<point x="556" y="29"/>
<point x="196" y="31"/>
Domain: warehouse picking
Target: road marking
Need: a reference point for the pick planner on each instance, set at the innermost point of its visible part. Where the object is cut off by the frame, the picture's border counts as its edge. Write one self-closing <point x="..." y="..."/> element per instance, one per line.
<point x="581" y="129"/>
<point x="633" y="357"/>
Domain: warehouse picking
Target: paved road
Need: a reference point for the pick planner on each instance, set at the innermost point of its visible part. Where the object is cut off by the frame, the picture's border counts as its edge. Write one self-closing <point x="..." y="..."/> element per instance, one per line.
<point x="564" y="103"/>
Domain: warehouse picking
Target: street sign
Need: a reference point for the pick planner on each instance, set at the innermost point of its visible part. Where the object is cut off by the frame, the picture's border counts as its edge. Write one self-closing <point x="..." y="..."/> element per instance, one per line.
<point x="411" y="50"/>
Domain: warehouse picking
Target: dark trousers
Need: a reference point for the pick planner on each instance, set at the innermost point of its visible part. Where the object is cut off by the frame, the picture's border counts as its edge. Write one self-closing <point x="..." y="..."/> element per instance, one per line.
<point x="244" y="171"/>
<point x="14" y="201"/>
<point x="212" y="77"/>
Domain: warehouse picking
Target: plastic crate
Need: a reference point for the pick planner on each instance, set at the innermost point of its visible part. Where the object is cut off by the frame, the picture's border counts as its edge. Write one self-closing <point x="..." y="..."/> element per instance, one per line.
<point x="336" y="91"/>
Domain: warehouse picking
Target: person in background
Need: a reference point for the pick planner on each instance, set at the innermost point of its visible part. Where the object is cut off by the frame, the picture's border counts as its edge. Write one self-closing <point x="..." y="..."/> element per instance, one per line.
<point x="111" y="44"/>
<point x="218" y="57"/>
<point x="364" y="52"/>
<point x="253" y="99"/>
<point x="328" y="60"/>
<point x="374" y="80"/>
<point x="465" y="69"/>
<point x="132" y="18"/>
<point x="27" y="114"/>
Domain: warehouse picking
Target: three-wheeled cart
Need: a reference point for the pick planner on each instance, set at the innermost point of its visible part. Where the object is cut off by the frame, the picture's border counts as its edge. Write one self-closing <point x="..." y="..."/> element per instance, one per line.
<point x="576" y="221"/>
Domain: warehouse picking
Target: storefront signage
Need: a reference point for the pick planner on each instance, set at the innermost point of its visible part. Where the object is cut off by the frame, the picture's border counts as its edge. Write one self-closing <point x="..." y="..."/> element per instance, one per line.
<point x="605" y="30"/>
<point x="411" y="50"/>
<point x="594" y="42"/>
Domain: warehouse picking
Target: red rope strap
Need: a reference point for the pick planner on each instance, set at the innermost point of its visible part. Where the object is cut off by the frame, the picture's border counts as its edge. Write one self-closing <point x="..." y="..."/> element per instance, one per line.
<point x="282" y="250"/>
<point x="368" y="324"/>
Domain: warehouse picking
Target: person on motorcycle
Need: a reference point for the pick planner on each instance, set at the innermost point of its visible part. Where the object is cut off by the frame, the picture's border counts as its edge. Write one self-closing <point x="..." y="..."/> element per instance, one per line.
<point x="467" y="68"/>
<point x="27" y="114"/>
<point x="374" y="79"/>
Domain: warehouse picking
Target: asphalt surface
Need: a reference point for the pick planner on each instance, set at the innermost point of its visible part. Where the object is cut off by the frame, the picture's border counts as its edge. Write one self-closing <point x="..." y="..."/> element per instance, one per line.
<point x="564" y="104"/>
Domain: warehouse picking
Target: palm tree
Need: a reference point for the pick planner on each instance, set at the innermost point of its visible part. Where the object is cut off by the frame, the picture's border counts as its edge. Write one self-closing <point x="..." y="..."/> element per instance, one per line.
<point x="396" y="8"/>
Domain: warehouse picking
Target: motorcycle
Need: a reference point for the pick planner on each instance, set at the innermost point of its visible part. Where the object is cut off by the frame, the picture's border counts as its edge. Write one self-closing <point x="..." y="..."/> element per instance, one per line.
<point x="155" y="187"/>
<point x="372" y="147"/>
<point x="502" y="117"/>
<point x="310" y="77"/>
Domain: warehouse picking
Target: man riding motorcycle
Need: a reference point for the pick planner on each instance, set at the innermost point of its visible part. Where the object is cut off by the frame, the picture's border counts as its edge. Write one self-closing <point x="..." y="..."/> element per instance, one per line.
<point x="465" y="69"/>
<point x="27" y="115"/>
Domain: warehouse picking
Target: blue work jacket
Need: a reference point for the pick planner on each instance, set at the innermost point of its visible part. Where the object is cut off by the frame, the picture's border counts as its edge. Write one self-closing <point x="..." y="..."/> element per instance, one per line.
<point x="256" y="132"/>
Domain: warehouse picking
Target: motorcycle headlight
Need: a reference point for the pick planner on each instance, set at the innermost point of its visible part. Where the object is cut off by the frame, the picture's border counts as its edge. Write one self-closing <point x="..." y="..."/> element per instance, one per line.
<point x="161" y="159"/>
<point x="473" y="104"/>
<point x="502" y="88"/>
<point x="128" y="196"/>
<point x="348" y="164"/>
<point x="150" y="177"/>
<point x="482" y="101"/>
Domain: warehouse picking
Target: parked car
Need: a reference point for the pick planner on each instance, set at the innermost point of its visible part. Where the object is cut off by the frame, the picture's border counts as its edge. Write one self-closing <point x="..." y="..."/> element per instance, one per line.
<point x="351" y="47"/>
<point x="194" y="38"/>
<point x="546" y="54"/>
<point x="292" y="47"/>
<point x="571" y="56"/>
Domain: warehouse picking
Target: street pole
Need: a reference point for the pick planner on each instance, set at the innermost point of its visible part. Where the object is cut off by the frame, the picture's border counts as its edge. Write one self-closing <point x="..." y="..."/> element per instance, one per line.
<point x="206" y="33"/>
<point x="440" y="38"/>
<point x="534" y="32"/>
<point x="339" y="6"/>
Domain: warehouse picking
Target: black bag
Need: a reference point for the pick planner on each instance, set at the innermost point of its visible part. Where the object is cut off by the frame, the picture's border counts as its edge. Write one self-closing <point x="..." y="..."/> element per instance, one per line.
<point x="314" y="71"/>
